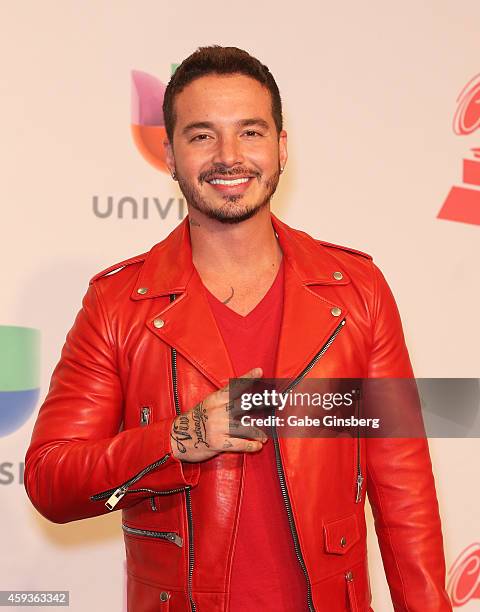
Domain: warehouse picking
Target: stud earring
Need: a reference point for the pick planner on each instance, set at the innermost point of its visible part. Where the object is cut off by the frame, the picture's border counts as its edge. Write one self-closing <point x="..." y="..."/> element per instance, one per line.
<point x="281" y="169"/>
<point x="174" y="175"/>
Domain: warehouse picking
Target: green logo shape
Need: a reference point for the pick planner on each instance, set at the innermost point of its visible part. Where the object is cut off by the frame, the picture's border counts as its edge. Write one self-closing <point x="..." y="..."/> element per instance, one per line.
<point x="19" y="358"/>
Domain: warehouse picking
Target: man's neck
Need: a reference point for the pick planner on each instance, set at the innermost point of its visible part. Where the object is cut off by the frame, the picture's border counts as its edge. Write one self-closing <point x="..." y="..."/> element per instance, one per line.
<point x="239" y="250"/>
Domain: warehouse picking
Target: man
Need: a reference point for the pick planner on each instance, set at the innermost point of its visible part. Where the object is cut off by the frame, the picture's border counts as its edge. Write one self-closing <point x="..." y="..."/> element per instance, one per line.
<point x="137" y="414"/>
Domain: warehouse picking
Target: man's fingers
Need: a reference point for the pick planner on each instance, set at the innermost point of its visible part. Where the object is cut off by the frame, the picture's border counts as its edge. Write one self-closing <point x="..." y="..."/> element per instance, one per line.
<point x="234" y="407"/>
<point x="237" y="445"/>
<point x="245" y="431"/>
<point x="253" y="373"/>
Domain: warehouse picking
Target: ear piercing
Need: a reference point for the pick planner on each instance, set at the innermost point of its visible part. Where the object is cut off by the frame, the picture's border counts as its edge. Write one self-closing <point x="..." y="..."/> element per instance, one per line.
<point x="174" y="175"/>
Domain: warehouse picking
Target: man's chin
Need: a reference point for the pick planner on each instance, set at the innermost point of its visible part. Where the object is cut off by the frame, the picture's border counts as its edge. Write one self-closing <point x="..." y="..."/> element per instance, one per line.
<point x="232" y="209"/>
<point x="230" y="213"/>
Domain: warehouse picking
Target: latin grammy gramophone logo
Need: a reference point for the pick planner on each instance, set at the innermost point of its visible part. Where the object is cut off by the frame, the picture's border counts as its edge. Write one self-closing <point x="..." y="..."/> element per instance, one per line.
<point x="463" y="202"/>
<point x="463" y="584"/>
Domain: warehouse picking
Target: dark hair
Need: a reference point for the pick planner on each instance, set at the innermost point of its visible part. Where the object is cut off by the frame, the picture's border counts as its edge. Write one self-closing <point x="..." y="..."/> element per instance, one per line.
<point x="219" y="60"/>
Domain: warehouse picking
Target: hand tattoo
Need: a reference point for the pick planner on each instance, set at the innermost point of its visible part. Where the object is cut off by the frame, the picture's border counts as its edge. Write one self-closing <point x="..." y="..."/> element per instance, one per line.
<point x="199" y="419"/>
<point x="227" y="444"/>
<point x="180" y="432"/>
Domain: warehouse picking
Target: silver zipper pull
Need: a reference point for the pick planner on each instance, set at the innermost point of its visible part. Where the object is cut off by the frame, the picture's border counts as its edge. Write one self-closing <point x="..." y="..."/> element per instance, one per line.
<point x="145" y="415"/>
<point x="175" y="538"/>
<point x="359" y="488"/>
<point x="113" y="500"/>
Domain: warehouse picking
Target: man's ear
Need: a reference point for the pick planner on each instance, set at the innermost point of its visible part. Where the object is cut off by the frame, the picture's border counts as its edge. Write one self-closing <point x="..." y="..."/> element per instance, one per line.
<point x="282" y="148"/>
<point x="169" y="157"/>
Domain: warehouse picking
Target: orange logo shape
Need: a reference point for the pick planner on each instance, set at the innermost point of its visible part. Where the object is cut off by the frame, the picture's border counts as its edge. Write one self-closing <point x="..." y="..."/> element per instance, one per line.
<point x="148" y="126"/>
<point x="464" y="576"/>
<point x="463" y="203"/>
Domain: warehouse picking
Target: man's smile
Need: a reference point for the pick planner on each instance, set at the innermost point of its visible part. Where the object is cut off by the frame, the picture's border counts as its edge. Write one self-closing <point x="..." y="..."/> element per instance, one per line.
<point x="234" y="186"/>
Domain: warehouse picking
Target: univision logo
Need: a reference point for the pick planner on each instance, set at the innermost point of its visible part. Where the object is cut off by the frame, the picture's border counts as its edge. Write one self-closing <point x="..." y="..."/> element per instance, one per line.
<point x="147" y="124"/>
<point x="148" y="132"/>
<point x="19" y="376"/>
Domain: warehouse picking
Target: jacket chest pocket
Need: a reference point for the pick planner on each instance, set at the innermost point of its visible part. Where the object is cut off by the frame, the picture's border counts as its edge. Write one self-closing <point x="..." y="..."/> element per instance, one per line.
<point x="341" y="535"/>
<point x="153" y="597"/>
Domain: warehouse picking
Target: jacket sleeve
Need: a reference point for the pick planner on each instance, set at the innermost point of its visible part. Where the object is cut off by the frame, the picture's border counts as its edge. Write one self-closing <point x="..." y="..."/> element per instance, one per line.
<point x="78" y="455"/>
<point x="400" y="482"/>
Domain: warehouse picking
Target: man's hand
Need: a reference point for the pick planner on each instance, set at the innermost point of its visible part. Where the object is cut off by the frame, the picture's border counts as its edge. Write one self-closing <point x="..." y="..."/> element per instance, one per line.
<point x="204" y="431"/>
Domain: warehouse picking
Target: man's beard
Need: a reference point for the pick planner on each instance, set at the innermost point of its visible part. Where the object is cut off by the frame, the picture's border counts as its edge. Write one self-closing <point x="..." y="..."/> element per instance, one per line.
<point x="231" y="211"/>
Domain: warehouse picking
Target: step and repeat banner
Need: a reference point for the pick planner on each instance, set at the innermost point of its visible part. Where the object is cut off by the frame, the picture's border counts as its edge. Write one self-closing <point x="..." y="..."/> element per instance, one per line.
<point x="382" y="109"/>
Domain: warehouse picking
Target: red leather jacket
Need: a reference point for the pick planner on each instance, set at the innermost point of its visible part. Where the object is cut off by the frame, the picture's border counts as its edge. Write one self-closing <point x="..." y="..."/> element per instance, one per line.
<point x="145" y="346"/>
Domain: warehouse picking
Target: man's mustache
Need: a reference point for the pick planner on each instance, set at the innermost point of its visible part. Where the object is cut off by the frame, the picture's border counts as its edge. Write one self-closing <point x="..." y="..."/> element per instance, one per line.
<point x="216" y="172"/>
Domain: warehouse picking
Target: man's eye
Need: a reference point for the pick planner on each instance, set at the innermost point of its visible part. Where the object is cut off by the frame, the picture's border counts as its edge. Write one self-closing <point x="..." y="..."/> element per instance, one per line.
<point x="200" y="137"/>
<point x="252" y="133"/>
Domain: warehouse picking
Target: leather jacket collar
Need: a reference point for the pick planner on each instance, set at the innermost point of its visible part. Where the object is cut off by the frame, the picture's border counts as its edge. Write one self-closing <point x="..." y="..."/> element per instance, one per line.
<point x="309" y="316"/>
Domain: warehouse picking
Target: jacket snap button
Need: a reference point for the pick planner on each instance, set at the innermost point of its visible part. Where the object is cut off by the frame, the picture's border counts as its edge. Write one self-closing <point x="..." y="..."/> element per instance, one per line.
<point x="158" y="323"/>
<point x="337" y="275"/>
<point x="142" y="290"/>
<point x="349" y="576"/>
<point x="343" y="541"/>
<point x="164" y="596"/>
<point x="336" y="312"/>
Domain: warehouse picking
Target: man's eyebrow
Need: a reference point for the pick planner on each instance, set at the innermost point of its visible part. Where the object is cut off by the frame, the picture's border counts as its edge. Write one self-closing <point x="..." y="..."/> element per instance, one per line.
<point x="253" y="121"/>
<point x="197" y="125"/>
<point x="208" y="125"/>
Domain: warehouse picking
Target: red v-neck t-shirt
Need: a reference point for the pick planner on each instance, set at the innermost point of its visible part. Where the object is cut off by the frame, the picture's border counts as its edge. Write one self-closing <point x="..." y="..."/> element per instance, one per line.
<point x="266" y="574"/>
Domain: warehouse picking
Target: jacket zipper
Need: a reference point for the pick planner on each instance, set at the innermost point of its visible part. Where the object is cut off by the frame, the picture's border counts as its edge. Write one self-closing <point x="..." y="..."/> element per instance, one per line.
<point x="170" y="536"/>
<point x="359" y="481"/>
<point x="281" y="471"/>
<point x="145" y="420"/>
<point x="142" y="490"/>
<point x="352" y="598"/>
<point x="167" y="492"/>
<point x="188" y="499"/>
<point x="144" y="415"/>
<point x="115" y="495"/>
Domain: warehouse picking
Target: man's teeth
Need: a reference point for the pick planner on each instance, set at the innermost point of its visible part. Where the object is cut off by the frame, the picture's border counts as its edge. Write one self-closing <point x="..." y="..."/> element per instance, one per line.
<point x="238" y="181"/>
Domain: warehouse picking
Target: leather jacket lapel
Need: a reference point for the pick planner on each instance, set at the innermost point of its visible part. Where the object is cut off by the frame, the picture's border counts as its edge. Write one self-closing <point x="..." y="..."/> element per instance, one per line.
<point x="188" y="325"/>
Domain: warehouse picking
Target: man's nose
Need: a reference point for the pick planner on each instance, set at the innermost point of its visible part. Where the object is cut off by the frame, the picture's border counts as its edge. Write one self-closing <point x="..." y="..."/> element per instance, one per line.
<point x="228" y="152"/>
